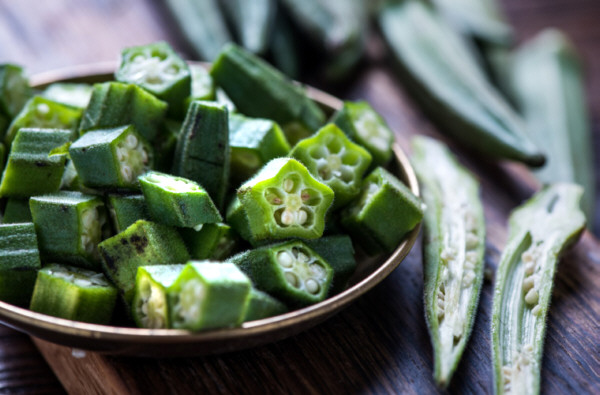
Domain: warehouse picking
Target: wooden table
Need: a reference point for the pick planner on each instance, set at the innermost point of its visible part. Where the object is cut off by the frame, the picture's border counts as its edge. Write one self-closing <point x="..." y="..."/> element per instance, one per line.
<point x="380" y="343"/>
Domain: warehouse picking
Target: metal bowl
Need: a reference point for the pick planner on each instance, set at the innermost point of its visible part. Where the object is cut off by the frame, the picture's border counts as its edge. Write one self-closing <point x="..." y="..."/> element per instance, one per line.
<point x="171" y="342"/>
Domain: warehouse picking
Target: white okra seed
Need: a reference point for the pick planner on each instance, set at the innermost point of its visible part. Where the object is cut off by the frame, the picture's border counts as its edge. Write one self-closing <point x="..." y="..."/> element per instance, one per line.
<point x="471" y="241"/>
<point x="285" y="259"/>
<point x="528" y="283"/>
<point x="121" y="154"/>
<point x="131" y="141"/>
<point x="301" y="217"/>
<point x="287" y="217"/>
<point x="530" y="268"/>
<point x="536" y="310"/>
<point x="312" y="286"/>
<point x="127" y="173"/>
<point x="288" y="185"/>
<point x="531" y="297"/>
<point x="302" y="257"/>
<point x="291" y="278"/>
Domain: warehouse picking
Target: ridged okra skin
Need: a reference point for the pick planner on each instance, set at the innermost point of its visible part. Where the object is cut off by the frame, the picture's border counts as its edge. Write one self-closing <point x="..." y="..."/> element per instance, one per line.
<point x="144" y="243"/>
<point x="291" y="272"/>
<point x="114" y="104"/>
<point x="14" y="91"/>
<point x="208" y="295"/>
<point x="159" y="70"/>
<point x="238" y="220"/>
<point x="111" y="158"/>
<point x="150" y="306"/>
<point x="69" y="93"/>
<point x="384" y="212"/>
<point x="213" y="242"/>
<point x="539" y="231"/>
<point x="338" y="252"/>
<point x="177" y="201"/>
<point x="335" y="161"/>
<point x="262" y="305"/>
<point x="74" y="294"/>
<point x="69" y="226"/>
<point x="31" y="169"/>
<point x="261" y="91"/>
<point x="284" y="200"/>
<point x="124" y="210"/>
<point x="16" y="211"/>
<point x="19" y="262"/>
<point x="453" y="252"/>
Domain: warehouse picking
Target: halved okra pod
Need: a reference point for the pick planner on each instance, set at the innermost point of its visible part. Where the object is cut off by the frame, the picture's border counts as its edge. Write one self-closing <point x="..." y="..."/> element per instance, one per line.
<point x="74" y="294"/>
<point x="335" y="161"/>
<point x="262" y="305"/>
<point x="14" y="93"/>
<point x="69" y="93"/>
<point x="284" y="200"/>
<point x="539" y="231"/>
<point x="213" y="241"/>
<point x="453" y="252"/>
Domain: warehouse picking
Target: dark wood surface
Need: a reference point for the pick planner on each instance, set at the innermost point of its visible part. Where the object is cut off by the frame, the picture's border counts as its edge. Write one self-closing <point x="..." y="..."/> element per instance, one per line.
<point x="380" y="343"/>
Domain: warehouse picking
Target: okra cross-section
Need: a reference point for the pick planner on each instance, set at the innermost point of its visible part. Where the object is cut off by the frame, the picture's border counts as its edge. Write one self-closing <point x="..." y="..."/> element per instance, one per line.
<point x="453" y="251"/>
<point x="177" y="201"/>
<point x="539" y="231"/>
<point x="292" y="272"/>
<point x="285" y="200"/>
<point x="335" y="161"/>
<point x="111" y="158"/>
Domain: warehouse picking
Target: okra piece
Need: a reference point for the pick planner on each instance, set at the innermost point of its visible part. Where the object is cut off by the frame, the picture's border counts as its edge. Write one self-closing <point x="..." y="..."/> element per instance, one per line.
<point x="285" y="46"/>
<point x="453" y="252"/>
<point x="291" y="272"/>
<point x="31" y="168"/>
<point x="253" y="143"/>
<point x="202" y="152"/>
<point x="252" y="22"/>
<point x="114" y="105"/>
<point x="164" y="145"/>
<point x="384" y="212"/>
<point x="177" y="201"/>
<point x="74" y="294"/>
<point x="238" y="220"/>
<point x="208" y="295"/>
<point x="284" y="200"/>
<point x="203" y="87"/>
<point x="71" y="94"/>
<point x="111" y="158"/>
<point x="150" y="305"/>
<point x="440" y="71"/>
<point x="69" y="226"/>
<point x="16" y="211"/>
<point x="144" y="243"/>
<point x="19" y="262"/>
<point x="14" y="93"/>
<point x="262" y="305"/>
<point x="335" y="161"/>
<point x="159" y="70"/>
<point x="364" y="125"/>
<point x="213" y="241"/>
<point x="259" y="90"/>
<point x="539" y="231"/>
<point x="548" y="85"/>
<point x="338" y="251"/>
<point x="124" y="210"/>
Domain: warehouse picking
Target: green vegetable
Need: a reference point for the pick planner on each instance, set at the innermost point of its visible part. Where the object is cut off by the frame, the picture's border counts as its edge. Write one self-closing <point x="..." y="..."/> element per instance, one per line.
<point x="203" y="87"/>
<point x="164" y="145"/>
<point x="71" y="94"/>
<point x="262" y="305"/>
<point x="16" y="211"/>
<point x="338" y="252"/>
<point x="14" y="93"/>
<point x="213" y="241"/>
<point x="124" y="210"/>
<point x="252" y="22"/>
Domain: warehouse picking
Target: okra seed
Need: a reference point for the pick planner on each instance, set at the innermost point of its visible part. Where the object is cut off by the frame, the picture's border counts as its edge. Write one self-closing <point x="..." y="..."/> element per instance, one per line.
<point x="527" y="256"/>
<point x="530" y="268"/>
<point x="292" y="279"/>
<point x="312" y="286"/>
<point x="302" y="257"/>
<point x="121" y="154"/>
<point x="536" y="310"/>
<point x="285" y="259"/>
<point x="317" y="270"/>
<point x="131" y="141"/>
<point x="288" y="185"/>
<point x="472" y="241"/>
<point x="469" y="277"/>
<point x="127" y="173"/>
<point x="531" y="297"/>
<point x="301" y="217"/>
<point x="43" y="109"/>
<point x="287" y="217"/>
<point x="528" y="283"/>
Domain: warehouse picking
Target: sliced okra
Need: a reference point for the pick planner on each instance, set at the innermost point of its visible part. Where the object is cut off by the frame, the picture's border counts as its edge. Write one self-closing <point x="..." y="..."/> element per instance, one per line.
<point x="14" y="90"/>
<point x="208" y="295"/>
<point x="291" y="272"/>
<point x="335" y="161"/>
<point x="262" y="305"/>
<point x="238" y="220"/>
<point x="164" y="145"/>
<point x="69" y="226"/>
<point x="203" y="87"/>
<point x="385" y="211"/>
<point x="143" y="243"/>
<point x="114" y="104"/>
<point x="213" y="241"/>
<point x="31" y="169"/>
<point x="150" y="305"/>
<point x="71" y="94"/>
<point x="111" y="158"/>
<point x="539" y="231"/>
<point x="338" y="251"/>
<point x="284" y="200"/>
<point x="177" y="201"/>
<point x="453" y="252"/>
<point x="365" y="126"/>
<point x="159" y="70"/>
<point x="74" y="294"/>
<point x="19" y="262"/>
<point x="124" y="210"/>
<point x="16" y="211"/>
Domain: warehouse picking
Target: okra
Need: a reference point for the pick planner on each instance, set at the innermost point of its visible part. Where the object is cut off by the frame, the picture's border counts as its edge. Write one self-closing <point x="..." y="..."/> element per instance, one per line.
<point x="548" y="85"/>
<point x="262" y="305"/>
<point x="164" y="145"/>
<point x="338" y="252"/>
<point x="111" y="158"/>
<point x="213" y="241"/>
<point x="74" y="294"/>
<point x="453" y="252"/>
<point x="177" y="201"/>
<point x="71" y="94"/>
<point x="19" y="262"/>
<point x="382" y="196"/>
<point x="16" y="211"/>
<point x="291" y="272"/>
<point x="31" y="168"/>
<point x="124" y="210"/>
<point x="208" y="295"/>
<point x="335" y="161"/>
<point x="252" y="21"/>
<point x="444" y="77"/>
<point x="14" y="93"/>
<point x="238" y="220"/>
<point x="203" y="87"/>
<point x="539" y="231"/>
<point x="285" y="46"/>
<point x="284" y="200"/>
<point x="69" y="226"/>
<point x="159" y="70"/>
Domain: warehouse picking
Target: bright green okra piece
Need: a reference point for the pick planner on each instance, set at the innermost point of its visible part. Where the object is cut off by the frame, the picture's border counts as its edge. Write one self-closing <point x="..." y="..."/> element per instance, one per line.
<point x="338" y="251"/>
<point x="262" y="305"/>
<point x="547" y="82"/>
<point x="68" y="93"/>
<point x="124" y="210"/>
<point x="14" y="93"/>
<point x="539" y="231"/>
<point x="31" y="168"/>
<point x="19" y="262"/>
<point x="252" y="22"/>
<point x="335" y="161"/>
<point x="74" y="294"/>
<point x="16" y="211"/>
<point x="284" y="200"/>
<point x="437" y="67"/>
<point x="213" y="241"/>
<point x="208" y="295"/>
<point x="453" y="252"/>
<point x="238" y="220"/>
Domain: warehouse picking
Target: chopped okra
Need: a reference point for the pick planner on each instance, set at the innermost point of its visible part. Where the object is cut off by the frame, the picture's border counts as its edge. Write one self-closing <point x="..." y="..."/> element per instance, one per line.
<point x="203" y="87"/>
<point x="14" y="91"/>
<point x="16" y="211"/>
<point x="262" y="305"/>
<point x="71" y="94"/>
<point x="164" y="145"/>
<point x="338" y="251"/>
<point x="124" y="210"/>
<point x="212" y="241"/>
